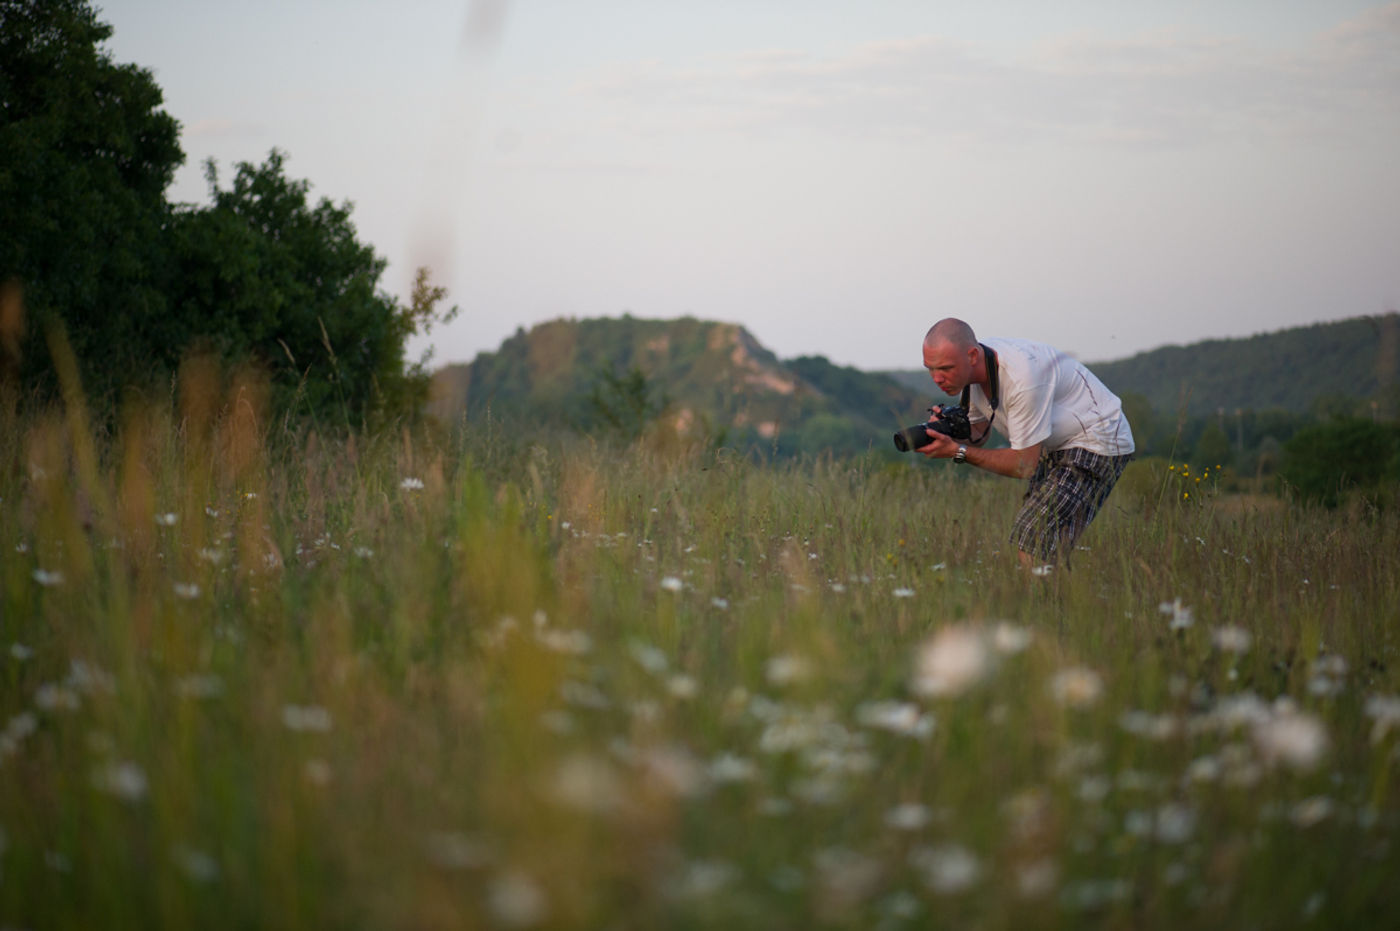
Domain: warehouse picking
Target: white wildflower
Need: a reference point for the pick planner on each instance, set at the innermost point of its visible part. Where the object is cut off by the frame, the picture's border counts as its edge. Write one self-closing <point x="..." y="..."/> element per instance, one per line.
<point x="1182" y="616"/>
<point x="1009" y="638"/>
<point x="411" y="484"/>
<point x="700" y="879"/>
<point x="727" y="768"/>
<point x="1385" y="709"/>
<point x="720" y="603"/>
<point x="1239" y="710"/>
<point x="583" y="695"/>
<point x="21" y="726"/>
<point x="20" y="652"/>
<point x="1174" y="824"/>
<point x="1231" y="639"/>
<point x="673" y="770"/>
<point x="954" y="660"/>
<point x="1077" y="687"/>
<point x="911" y="816"/>
<point x="903" y="718"/>
<point x="1148" y="725"/>
<point x="846" y="876"/>
<point x="650" y="658"/>
<point x="317" y="772"/>
<point x="1330" y="664"/>
<point x="1044" y="571"/>
<point x="450" y="850"/>
<point x="186" y="590"/>
<point x="306" y="718"/>
<point x="570" y="642"/>
<point x="1293" y="737"/>
<point x="787" y="668"/>
<point x="1311" y="811"/>
<point x="125" y="780"/>
<point x="51" y="697"/>
<point x="1037" y="878"/>
<point x="948" y="868"/>
<point x="199" y="686"/>
<point x="516" y="900"/>
<point x="904" y="593"/>
<point x="1204" y="769"/>
<point x="48" y="579"/>
<point x="197" y="865"/>
<point x="168" y="519"/>
<point x="671" y="583"/>
<point x="89" y="679"/>
<point x="682" y="686"/>
<point x="588" y="783"/>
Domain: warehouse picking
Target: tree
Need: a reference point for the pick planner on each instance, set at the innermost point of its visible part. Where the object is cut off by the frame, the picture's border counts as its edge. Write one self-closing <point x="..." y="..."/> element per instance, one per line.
<point x="89" y="241"/>
<point x="1322" y="462"/>
<point x="625" y="404"/>
<point x="265" y="275"/>
<point x="1212" y="446"/>
<point x="86" y="155"/>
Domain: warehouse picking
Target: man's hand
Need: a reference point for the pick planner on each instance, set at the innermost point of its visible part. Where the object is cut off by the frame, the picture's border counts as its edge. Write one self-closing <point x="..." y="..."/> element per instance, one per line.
<point x="940" y="446"/>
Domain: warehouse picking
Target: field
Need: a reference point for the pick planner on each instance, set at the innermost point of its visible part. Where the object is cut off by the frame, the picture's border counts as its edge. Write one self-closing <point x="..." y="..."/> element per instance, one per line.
<point x="261" y="678"/>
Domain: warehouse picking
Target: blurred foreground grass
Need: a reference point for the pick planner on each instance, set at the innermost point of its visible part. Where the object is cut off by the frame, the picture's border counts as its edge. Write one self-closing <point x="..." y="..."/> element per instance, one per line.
<point x="254" y="679"/>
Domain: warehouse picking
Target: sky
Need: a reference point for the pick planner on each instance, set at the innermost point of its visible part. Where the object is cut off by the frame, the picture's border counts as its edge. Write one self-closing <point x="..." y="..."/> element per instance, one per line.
<point x="1105" y="176"/>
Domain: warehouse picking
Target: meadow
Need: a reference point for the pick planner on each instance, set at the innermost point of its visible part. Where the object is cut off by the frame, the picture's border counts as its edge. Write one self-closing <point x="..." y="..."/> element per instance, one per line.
<point x="265" y="677"/>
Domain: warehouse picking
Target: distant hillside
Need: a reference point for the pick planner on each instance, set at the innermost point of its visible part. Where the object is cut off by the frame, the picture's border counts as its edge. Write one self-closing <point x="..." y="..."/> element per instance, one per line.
<point x="1287" y="369"/>
<point x="714" y="378"/>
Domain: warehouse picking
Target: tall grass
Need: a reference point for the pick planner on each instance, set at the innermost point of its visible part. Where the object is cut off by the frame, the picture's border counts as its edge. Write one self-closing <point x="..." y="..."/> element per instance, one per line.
<point x="255" y="678"/>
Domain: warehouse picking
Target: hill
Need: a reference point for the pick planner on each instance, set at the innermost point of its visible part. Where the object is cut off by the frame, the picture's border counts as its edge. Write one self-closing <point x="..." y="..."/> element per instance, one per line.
<point x="1295" y="369"/>
<point x="700" y="377"/>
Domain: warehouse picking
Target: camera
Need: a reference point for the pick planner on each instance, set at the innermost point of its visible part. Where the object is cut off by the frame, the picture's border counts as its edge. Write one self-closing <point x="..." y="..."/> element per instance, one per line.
<point x="951" y="421"/>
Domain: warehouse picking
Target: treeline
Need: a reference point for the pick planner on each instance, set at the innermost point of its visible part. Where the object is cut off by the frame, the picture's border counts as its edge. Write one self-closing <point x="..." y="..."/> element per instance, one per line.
<point x="93" y="255"/>
<point x="1310" y="369"/>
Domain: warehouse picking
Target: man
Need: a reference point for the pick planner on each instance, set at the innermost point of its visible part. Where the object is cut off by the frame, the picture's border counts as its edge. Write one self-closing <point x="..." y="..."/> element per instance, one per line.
<point x="1067" y="431"/>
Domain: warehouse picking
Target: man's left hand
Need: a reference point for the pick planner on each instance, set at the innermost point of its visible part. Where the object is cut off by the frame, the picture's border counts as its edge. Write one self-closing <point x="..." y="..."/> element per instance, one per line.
<point x="940" y="446"/>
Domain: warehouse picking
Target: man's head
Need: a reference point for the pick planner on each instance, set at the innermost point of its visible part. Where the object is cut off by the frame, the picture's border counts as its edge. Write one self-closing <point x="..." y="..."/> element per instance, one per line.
<point x="952" y="355"/>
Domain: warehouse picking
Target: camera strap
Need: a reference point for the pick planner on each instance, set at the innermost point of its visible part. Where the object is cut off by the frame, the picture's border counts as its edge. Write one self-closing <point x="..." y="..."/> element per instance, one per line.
<point x="993" y="384"/>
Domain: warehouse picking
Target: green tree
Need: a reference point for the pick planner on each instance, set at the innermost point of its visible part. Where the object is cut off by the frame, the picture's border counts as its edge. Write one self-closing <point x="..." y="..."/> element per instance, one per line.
<point x="1324" y="461"/>
<point x="1212" y="446"/>
<point x="625" y="404"/>
<point x="86" y="155"/>
<point x="266" y="275"/>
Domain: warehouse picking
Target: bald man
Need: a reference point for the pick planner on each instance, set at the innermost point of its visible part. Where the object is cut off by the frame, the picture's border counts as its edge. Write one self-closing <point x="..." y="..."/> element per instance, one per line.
<point x="1067" y="432"/>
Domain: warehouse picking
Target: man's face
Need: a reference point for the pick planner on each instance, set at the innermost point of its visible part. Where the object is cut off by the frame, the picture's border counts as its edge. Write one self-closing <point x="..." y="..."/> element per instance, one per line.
<point x="951" y="368"/>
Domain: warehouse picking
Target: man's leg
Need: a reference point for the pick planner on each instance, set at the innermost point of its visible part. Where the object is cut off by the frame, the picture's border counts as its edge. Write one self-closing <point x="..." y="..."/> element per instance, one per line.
<point x="1063" y="496"/>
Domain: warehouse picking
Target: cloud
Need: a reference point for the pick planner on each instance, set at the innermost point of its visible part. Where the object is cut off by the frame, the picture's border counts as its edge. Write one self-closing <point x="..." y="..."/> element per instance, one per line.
<point x="1163" y="88"/>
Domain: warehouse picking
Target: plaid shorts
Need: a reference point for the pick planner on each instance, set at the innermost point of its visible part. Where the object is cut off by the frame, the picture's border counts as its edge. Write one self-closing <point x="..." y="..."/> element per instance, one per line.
<point x="1066" y="491"/>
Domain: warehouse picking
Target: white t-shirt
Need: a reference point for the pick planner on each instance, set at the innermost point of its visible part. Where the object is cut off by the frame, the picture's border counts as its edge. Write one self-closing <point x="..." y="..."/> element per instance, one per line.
<point x="1048" y="397"/>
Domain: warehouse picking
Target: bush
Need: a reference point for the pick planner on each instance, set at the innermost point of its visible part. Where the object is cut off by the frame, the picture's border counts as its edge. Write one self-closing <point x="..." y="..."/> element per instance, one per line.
<point x="1323" y="463"/>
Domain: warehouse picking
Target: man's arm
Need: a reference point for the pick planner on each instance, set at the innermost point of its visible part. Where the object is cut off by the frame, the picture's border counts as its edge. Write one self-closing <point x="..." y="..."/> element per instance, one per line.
<point x="1013" y="463"/>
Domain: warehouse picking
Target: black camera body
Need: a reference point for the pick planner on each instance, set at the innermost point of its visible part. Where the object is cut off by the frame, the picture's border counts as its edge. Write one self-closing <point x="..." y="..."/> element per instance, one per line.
<point x="951" y="422"/>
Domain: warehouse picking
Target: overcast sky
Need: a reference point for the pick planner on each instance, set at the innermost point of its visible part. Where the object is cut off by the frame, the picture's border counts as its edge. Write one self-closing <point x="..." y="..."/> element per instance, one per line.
<point x="1107" y="176"/>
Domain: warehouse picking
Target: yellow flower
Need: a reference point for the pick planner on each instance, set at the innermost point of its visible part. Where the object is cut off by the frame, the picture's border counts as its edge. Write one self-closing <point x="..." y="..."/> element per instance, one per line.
<point x="1185" y="495"/>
